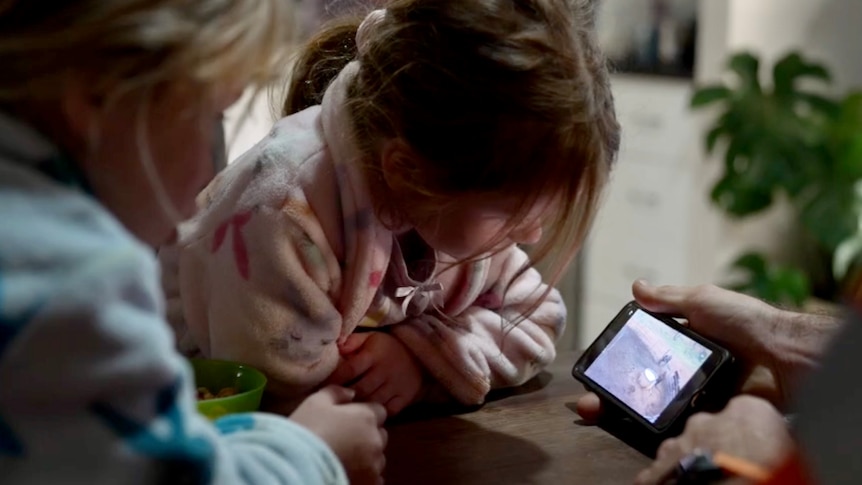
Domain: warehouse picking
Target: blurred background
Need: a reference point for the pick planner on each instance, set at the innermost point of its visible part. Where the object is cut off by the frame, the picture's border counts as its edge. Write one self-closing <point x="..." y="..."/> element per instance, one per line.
<point x="741" y="151"/>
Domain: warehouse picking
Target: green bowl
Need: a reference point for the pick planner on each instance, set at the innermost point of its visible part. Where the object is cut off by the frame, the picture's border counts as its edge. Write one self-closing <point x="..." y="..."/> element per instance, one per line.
<point x="218" y="374"/>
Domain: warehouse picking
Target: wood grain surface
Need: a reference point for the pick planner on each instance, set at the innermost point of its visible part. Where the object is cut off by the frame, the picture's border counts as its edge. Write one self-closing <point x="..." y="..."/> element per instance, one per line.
<point x="527" y="435"/>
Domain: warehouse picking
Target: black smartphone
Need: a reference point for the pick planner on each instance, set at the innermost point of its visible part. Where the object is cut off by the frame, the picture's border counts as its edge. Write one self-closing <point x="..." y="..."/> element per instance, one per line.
<point x="655" y="371"/>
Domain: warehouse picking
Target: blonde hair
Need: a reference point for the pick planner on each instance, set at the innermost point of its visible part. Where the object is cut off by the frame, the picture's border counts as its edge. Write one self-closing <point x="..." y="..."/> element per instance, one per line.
<point x="497" y="98"/>
<point x="130" y="44"/>
<point x="120" y="46"/>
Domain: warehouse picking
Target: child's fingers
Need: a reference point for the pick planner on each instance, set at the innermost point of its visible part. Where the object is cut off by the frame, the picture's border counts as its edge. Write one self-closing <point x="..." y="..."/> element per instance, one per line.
<point x="384" y="437"/>
<point x="353" y="343"/>
<point x="395" y="404"/>
<point x="341" y="375"/>
<point x="336" y="394"/>
<point x="380" y="466"/>
<point x="369" y="384"/>
<point x="381" y="396"/>
<point x="390" y="397"/>
<point x="352" y="367"/>
<point x="377" y="410"/>
<point x="334" y="378"/>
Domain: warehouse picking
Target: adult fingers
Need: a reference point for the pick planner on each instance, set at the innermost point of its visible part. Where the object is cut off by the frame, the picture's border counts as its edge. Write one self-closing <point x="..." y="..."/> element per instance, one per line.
<point x="662" y="299"/>
<point x="589" y="407"/>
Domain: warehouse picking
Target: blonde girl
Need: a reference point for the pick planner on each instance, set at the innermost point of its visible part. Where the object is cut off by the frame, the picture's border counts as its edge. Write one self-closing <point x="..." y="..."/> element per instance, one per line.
<point x="422" y="146"/>
<point x="108" y="110"/>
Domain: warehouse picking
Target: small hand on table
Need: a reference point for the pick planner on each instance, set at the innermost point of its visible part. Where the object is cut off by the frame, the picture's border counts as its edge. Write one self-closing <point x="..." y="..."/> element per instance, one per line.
<point x="354" y="431"/>
<point x="380" y="369"/>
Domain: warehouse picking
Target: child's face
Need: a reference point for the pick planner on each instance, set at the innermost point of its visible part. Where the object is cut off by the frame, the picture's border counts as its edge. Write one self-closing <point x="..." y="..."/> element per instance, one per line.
<point x="178" y="130"/>
<point x="472" y="226"/>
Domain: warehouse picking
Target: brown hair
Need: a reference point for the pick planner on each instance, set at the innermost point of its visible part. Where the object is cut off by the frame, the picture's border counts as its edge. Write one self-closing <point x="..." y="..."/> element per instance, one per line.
<point x="496" y="97"/>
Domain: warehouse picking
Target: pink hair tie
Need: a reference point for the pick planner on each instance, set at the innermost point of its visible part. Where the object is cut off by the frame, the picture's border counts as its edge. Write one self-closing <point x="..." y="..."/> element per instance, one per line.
<point x="366" y="30"/>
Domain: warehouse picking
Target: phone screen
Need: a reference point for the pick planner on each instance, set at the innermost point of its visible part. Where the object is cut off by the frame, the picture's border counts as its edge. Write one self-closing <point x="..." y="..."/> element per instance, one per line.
<point x="646" y="364"/>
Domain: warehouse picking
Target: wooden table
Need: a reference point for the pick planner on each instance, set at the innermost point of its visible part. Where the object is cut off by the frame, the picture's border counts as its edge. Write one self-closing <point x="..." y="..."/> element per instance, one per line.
<point x="529" y="435"/>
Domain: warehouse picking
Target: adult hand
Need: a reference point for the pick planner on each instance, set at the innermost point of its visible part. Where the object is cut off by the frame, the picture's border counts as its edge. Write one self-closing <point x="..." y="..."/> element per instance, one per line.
<point x="773" y="345"/>
<point x="380" y="369"/>
<point x="749" y="428"/>
<point x="353" y="431"/>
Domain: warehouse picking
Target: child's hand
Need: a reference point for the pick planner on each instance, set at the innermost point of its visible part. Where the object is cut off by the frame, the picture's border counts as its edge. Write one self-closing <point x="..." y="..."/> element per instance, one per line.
<point x="380" y="369"/>
<point x="353" y="430"/>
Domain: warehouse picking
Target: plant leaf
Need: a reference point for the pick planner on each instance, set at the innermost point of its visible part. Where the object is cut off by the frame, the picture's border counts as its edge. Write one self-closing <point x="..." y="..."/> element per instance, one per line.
<point x="820" y="104"/>
<point x="708" y="95"/>
<point x="746" y="65"/>
<point x="851" y="108"/>
<point x="771" y="282"/>
<point x="791" y="285"/>
<point x="713" y="136"/>
<point x="739" y="200"/>
<point x="830" y="215"/>
<point x="849" y="158"/>
<point x="753" y="262"/>
<point x="792" y="67"/>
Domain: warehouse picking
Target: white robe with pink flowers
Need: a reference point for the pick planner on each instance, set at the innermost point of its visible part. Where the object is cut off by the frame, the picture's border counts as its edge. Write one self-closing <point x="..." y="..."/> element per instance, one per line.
<point x="286" y="258"/>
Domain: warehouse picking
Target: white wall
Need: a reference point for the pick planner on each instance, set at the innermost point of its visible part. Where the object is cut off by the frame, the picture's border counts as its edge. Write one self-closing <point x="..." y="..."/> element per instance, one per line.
<point x="657" y="221"/>
<point x="826" y="30"/>
<point x="257" y="123"/>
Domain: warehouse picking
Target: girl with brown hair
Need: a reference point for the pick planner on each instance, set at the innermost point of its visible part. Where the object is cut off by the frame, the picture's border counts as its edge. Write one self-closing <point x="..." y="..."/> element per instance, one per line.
<point x="373" y="238"/>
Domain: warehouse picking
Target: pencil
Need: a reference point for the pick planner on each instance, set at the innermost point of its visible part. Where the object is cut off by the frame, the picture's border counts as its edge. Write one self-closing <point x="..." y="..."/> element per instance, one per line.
<point x="740" y="467"/>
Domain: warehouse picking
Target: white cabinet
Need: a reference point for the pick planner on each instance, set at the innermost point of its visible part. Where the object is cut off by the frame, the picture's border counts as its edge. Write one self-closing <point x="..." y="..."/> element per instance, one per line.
<point x="643" y="227"/>
<point x="655" y="117"/>
<point x="656" y="221"/>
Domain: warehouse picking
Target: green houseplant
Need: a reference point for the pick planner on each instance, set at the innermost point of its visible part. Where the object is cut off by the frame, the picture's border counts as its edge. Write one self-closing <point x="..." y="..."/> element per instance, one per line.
<point x="788" y="139"/>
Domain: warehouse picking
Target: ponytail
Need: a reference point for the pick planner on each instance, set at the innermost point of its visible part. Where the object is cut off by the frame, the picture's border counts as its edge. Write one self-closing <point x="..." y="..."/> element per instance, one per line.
<point x="319" y="62"/>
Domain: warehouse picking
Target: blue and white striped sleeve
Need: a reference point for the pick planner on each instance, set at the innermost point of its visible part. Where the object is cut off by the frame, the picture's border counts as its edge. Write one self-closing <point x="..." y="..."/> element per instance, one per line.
<point x="92" y="388"/>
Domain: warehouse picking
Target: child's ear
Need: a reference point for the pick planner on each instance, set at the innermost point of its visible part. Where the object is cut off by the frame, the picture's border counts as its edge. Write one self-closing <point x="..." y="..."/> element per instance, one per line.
<point x="399" y="165"/>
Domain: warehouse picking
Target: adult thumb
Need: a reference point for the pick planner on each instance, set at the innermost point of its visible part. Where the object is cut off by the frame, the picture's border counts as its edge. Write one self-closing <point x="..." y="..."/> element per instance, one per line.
<point x="661" y="299"/>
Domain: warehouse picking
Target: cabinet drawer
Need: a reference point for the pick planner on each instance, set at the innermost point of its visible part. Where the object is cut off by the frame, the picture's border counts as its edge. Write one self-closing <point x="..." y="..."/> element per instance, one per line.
<point x="641" y="231"/>
<point x="655" y="118"/>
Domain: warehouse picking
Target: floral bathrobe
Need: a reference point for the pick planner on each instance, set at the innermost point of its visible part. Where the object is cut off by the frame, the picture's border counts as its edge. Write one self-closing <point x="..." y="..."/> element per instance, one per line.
<point x="286" y="258"/>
